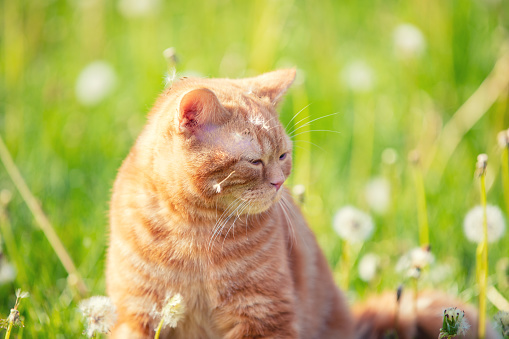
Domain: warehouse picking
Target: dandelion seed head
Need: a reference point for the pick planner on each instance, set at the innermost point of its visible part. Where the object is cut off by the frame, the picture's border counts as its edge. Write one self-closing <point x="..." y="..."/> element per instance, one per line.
<point x="473" y="224"/>
<point x="502" y="323"/>
<point x="503" y="139"/>
<point x="172" y="311"/>
<point x="378" y="194"/>
<point x="358" y="76"/>
<point x="353" y="224"/>
<point x="5" y="197"/>
<point x="7" y="272"/>
<point x="100" y="314"/>
<point x="95" y="82"/>
<point x="138" y="8"/>
<point x="368" y="266"/>
<point x="409" y="42"/>
<point x="389" y="156"/>
<point x="454" y="323"/>
<point x="417" y="258"/>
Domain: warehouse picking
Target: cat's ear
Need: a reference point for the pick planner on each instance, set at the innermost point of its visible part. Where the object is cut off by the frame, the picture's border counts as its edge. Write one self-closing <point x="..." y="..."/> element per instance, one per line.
<point x="200" y="108"/>
<point x="272" y="85"/>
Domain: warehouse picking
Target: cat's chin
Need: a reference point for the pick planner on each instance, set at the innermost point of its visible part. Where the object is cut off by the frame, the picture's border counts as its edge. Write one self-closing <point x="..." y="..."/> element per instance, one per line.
<point x="262" y="205"/>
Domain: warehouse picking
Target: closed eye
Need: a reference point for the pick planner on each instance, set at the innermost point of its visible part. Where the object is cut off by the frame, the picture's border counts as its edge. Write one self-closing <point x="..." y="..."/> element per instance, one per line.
<point x="256" y="162"/>
<point x="283" y="156"/>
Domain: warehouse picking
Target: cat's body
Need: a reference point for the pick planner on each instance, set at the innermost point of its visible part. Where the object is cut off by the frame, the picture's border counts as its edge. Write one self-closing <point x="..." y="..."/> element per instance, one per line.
<point x="198" y="209"/>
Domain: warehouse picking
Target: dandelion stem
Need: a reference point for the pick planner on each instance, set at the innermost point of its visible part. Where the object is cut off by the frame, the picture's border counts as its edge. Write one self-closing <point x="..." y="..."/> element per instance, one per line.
<point x="9" y="329"/>
<point x="345" y="265"/>
<point x="505" y="176"/>
<point x="159" y="327"/>
<point x="422" y="208"/>
<point x="40" y="217"/>
<point x="482" y="260"/>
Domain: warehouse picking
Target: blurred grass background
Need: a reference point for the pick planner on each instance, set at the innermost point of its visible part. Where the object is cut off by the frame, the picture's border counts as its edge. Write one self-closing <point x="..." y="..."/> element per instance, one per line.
<point x="388" y="102"/>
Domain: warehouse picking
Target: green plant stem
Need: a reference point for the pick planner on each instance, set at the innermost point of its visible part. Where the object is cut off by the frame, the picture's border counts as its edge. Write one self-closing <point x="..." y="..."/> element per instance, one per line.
<point x="159" y="327"/>
<point x="40" y="217"/>
<point x="482" y="262"/>
<point x="345" y="265"/>
<point x="9" y="329"/>
<point x="422" y="209"/>
<point x="505" y="176"/>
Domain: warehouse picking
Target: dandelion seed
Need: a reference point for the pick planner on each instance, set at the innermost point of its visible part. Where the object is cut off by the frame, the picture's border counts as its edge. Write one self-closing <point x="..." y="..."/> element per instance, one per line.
<point x="217" y="187"/>
<point x="368" y="266"/>
<point x="172" y="311"/>
<point x="454" y="323"/>
<point x="100" y="314"/>
<point x="502" y="323"/>
<point x="358" y="76"/>
<point x="170" y="77"/>
<point x="473" y="224"/>
<point x="353" y="224"/>
<point x="378" y="194"/>
<point x="138" y="8"/>
<point x="409" y="42"/>
<point x="171" y="56"/>
<point x="95" y="82"/>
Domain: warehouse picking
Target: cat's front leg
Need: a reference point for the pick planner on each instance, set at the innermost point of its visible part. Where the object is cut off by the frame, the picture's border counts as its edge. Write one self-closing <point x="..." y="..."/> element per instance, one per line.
<point x="258" y="316"/>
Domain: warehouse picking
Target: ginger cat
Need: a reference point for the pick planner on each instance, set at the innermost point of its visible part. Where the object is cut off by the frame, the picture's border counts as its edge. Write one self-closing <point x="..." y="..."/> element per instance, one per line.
<point x="199" y="208"/>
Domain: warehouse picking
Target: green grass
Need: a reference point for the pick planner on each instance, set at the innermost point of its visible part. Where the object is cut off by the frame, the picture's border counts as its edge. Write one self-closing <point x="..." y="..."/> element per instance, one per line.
<point x="69" y="153"/>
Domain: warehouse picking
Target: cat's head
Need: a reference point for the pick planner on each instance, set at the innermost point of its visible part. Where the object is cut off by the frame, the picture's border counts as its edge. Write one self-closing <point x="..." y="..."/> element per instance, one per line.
<point x="220" y="141"/>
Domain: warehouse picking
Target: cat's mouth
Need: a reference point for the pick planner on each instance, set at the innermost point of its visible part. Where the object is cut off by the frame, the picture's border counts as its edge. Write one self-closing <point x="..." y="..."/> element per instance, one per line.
<point x="258" y="202"/>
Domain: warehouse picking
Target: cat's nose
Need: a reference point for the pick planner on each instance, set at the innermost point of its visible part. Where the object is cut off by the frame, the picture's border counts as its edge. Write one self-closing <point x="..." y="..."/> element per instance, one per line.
<point x="277" y="184"/>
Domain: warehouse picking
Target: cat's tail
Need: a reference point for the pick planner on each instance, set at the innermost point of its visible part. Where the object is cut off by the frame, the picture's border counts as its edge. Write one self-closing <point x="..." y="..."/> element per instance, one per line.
<point x="384" y="316"/>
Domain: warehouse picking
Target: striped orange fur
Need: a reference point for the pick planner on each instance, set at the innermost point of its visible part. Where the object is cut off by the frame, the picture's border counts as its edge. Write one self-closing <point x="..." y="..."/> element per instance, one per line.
<point x="198" y="209"/>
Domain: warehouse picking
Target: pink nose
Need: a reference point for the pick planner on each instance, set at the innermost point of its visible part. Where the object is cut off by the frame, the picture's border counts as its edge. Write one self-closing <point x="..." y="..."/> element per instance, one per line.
<point x="277" y="185"/>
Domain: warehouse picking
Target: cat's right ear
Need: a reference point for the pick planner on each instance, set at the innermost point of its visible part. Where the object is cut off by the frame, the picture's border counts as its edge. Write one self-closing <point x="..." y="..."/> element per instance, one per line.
<point x="200" y="108"/>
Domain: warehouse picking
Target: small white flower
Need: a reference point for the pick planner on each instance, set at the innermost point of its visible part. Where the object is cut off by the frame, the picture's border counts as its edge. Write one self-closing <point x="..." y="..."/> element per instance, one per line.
<point x="368" y="266"/>
<point x="454" y="323"/>
<point x="409" y="41"/>
<point x="95" y="82"/>
<point x="473" y="224"/>
<point x="416" y="259"/>
<point x="358" y="76"/>
<point x="352" y="224"/>
<point x="172" y="312"/>
<point x="138" y="8"/>
<point x="378" y="194"/>
<point x="100" y="314"/>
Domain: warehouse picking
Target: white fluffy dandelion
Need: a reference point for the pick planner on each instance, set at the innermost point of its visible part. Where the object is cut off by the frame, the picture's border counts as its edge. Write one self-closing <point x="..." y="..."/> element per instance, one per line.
<point x="368" y="266"/>
<point x="502" y="323"/>
<point x="7" y="272"/>
<point x="503" y="139"/>
<point x="172" y="311"/>
<point x="95" y="82"/>
<point x="353" y="224"/>
<point x="473" y="224"/>
<point x="409" y="41"/>
<point x="100" y="314"/>
<point x="416" y="259"/>
<point x="138" y="8"/>
<point x="378" y="194"/>
<point x="358" y="76"/>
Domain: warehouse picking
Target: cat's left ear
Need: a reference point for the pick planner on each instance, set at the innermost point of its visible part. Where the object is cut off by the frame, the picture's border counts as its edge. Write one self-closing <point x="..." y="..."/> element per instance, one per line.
<point x="272" y="85"/>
